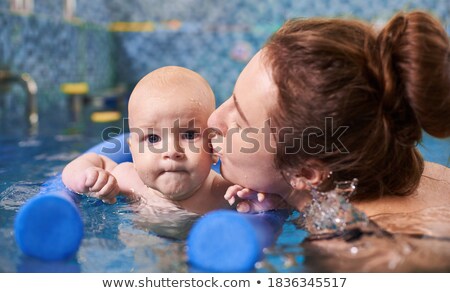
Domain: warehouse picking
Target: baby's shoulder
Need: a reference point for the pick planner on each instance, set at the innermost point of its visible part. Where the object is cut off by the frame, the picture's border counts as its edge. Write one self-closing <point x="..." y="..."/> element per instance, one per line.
<point x="126" y="176"/>
<point x="124" y="167"/>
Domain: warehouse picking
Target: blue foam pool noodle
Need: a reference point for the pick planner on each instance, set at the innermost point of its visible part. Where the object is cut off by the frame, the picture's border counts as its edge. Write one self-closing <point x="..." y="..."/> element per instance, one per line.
<point x="49" y="226"/>
<point x="227" y="241"/>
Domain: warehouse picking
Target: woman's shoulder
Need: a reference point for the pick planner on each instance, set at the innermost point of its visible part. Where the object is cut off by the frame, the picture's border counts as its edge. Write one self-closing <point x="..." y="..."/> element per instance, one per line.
<point x="434" y="187"/>
<point x="424" y="212"/>
<point x="433" y="191"/>
<point x="437" y="172"/>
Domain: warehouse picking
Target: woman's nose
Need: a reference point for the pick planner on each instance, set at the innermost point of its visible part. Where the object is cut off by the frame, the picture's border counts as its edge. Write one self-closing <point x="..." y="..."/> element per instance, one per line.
<point x="218" y="120"/>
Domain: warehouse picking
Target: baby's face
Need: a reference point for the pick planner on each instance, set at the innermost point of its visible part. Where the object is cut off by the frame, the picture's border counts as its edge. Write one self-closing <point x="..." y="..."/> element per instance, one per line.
<point x="169" y="144"/>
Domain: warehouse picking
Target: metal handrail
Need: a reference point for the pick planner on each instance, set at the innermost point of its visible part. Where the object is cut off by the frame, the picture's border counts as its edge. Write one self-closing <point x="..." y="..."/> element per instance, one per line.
<point x="30" y="87"/>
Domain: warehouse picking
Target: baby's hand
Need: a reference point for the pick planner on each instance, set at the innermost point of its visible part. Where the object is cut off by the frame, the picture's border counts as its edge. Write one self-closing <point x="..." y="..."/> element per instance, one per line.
<point x="252" y="201"/>
<point x="101" y="184"/>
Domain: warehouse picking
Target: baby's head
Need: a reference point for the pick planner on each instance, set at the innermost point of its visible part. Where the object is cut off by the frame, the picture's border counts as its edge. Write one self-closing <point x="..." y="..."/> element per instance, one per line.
<point x="168" y="113"/>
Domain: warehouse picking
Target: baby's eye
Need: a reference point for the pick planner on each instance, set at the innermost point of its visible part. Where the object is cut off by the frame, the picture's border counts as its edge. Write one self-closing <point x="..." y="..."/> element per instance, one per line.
<point x="154" y="138"/>
<point x="190" y="135"/>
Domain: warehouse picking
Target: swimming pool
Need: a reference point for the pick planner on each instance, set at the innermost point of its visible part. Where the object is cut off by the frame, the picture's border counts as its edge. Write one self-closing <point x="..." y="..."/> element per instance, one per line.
<point x="114" y="243"/>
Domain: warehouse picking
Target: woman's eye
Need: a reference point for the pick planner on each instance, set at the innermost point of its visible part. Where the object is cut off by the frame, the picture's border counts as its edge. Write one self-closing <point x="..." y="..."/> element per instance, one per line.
<point x="190" y="135"/>
<point x="153" y="138"/>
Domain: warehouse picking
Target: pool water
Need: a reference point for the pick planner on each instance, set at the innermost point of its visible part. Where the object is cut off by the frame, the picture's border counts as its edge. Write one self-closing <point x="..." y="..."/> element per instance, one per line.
<point x="114" y="243"/>
<point x="111" y="243"/>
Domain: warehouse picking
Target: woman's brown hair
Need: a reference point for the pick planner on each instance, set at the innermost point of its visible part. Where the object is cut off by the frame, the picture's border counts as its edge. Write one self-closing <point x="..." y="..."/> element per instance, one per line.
<point x="356" y="100"/>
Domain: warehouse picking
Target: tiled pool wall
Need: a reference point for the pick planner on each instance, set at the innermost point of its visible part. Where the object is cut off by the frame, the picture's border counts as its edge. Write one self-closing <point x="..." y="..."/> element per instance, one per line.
<point x="215" y="38"/>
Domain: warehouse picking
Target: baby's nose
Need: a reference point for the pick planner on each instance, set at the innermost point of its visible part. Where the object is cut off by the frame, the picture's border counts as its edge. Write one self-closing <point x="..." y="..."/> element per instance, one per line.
<point x="174" y="151"/>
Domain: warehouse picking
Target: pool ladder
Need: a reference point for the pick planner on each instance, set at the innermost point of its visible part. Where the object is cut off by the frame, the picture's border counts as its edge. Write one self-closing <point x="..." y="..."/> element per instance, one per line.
<point x="30" y="87"/>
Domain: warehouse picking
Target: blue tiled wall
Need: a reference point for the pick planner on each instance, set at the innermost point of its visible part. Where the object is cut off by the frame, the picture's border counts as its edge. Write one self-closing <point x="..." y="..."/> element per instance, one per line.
<point x="53" y="52"/>
<point x="253" y="12"/>
<point x="98" y="11"/>
<point x="50" y="8"/>
<point x="207" y="52"/>
<point x="210" y="32"/>
<point x="215" y="38"/>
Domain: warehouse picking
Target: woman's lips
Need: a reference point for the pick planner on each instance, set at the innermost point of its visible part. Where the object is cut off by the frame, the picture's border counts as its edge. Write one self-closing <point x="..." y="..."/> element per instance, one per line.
<point x="217" y="153"/>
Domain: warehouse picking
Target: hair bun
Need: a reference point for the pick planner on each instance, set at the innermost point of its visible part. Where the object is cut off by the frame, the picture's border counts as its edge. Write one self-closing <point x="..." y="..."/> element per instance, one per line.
<point x="415" y="66"/>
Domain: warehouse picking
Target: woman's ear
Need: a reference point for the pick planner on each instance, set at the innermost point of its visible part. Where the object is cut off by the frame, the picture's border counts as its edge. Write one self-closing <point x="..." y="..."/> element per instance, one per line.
<point x="304" y="178"/>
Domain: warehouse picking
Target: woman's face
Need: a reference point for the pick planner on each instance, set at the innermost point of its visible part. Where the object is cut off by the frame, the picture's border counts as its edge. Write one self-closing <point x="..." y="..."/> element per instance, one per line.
<point x="245" y="142"/>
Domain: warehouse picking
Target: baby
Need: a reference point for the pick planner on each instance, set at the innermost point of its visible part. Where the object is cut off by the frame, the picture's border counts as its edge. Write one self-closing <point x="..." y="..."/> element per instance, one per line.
<point x="171" y="171"/>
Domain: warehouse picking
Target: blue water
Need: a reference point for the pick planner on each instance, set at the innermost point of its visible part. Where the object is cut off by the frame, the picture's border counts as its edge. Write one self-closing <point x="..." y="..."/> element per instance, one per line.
<point x="112" y="242"/>
<point x="435" y="150"/>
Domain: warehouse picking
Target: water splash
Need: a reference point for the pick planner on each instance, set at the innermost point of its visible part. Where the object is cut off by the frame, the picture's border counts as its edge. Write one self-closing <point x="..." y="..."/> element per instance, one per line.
<point x="354" y="237"/>
<point x="331" y="211"/>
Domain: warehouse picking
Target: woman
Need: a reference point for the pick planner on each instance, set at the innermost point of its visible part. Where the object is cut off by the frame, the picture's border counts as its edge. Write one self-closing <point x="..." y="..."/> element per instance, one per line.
<point x="329" y="100"/>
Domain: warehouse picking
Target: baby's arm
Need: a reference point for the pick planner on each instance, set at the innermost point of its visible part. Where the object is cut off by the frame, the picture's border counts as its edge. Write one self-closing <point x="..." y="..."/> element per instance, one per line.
<point x="90" y="174"/>
<point x="129" y="182"/>
<point x="252" y="201"/>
